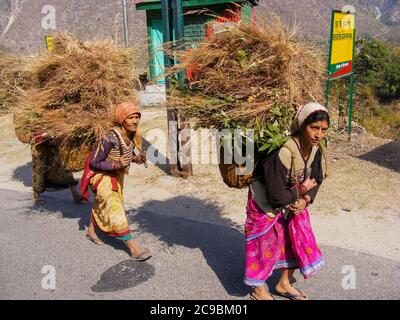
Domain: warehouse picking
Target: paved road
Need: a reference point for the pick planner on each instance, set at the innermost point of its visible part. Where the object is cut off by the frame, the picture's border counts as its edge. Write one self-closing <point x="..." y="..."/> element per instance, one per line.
<point x="192" y="259"/>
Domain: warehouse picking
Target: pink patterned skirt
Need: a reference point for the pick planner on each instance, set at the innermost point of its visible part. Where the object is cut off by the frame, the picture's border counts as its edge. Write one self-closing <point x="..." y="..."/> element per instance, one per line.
<point x="276" y="243"/>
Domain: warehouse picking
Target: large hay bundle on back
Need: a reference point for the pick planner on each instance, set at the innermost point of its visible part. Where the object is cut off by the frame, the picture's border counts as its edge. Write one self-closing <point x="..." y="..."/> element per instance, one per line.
<point x="249" y="77"/>
<point x="248" y="72"/>
<point x="74" y="91"/>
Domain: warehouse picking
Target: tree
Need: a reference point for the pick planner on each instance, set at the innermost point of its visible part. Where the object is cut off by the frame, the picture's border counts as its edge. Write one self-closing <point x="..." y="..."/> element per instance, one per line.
<point x="378" y="66"/>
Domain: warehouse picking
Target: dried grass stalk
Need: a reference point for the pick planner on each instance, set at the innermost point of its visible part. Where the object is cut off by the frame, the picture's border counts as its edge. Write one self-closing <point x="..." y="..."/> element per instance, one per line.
<point x="75" y="89"/>
<point x="13" y="76"/>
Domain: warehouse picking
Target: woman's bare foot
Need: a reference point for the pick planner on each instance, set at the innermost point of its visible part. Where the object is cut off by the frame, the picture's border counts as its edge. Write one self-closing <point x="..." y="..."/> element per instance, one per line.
<point x="76" y="195"/>
<point x="261" y="293"/>
<point x="37" y="198"/>
<point x="288" y="291"/>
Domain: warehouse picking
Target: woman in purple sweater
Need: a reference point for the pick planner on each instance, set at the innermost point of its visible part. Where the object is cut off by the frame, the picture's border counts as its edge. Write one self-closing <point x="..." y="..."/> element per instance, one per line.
<point x="109" y="162"/>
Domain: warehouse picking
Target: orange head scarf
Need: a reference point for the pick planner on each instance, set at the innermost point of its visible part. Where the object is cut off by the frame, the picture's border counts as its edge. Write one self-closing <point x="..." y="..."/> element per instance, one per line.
<point x="124" y="110"/>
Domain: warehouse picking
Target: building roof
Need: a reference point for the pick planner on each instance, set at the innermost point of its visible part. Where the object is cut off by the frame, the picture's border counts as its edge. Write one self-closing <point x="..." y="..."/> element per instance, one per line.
<point x="141" y="2"/>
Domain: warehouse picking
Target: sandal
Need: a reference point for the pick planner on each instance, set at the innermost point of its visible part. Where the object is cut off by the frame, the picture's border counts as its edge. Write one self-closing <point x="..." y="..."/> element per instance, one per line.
<point x="252" y="297"/>
<point x="293" y="296"/>
<point x="95" y="240"/>
<point x="143" y="256"/>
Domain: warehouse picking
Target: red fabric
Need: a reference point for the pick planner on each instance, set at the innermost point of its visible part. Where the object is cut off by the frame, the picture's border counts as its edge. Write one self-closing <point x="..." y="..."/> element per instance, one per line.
<point x="88" y="174"/>
<point x="113" y="234"/>
<point x="344" y="71"/>
<point x="233" y="14"/>
<point x="192" y="71"/>
<point x="38" y="136"/>
<point x="114" y="183"/>
<point x="43" y="138"/>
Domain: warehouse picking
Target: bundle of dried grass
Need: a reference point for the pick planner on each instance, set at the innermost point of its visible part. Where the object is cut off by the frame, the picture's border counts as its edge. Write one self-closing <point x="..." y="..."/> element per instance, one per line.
<point x="74" y="91"/>
<point x="13" y="76"/>
<point x="245" y="72"/>
<point x="249" y="77"/>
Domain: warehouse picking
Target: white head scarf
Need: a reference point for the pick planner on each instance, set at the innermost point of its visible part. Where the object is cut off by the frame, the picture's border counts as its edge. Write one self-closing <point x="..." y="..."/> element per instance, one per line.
<point x="304" y="113"/>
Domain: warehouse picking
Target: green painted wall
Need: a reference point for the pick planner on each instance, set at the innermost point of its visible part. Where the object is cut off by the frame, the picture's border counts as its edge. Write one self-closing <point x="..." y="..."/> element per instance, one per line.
<point x="155" y="45"/>
<point x="246" y="13"/>
<point x="194" y="31"/>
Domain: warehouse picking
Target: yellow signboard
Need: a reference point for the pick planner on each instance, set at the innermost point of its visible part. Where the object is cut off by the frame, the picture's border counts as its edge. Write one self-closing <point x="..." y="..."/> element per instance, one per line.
<point x="49" y="43"/>
<point x="342" y="43"/>
<point x="342" y="37"/>
<point x="341" y="54"/>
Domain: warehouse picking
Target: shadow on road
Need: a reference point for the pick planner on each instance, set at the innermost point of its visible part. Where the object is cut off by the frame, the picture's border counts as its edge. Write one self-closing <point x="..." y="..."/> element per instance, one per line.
<point x="222" y="244"/>
<point x="24" y="174"/>
<point x="61" y="203"/>
<point x="386" y="156"/>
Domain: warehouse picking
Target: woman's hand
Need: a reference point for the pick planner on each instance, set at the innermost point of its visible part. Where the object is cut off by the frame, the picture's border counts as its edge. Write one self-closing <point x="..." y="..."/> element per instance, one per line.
<point x="298" y="206"/>
<point x="124" y="162"/>
<point x="140" y="159"/>
<point x="310" y="184"/>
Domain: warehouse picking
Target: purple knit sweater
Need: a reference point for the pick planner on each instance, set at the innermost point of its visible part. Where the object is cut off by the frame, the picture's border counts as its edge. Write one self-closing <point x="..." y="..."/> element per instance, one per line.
<point x="99" y="162"/>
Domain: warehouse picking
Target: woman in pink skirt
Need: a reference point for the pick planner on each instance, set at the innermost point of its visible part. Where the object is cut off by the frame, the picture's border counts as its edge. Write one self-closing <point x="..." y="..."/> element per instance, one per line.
<point x="278" y="230"/>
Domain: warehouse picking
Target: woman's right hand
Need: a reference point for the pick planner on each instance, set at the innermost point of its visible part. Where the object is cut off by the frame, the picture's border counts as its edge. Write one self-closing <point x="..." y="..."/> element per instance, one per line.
<point x="310" y="184"/>
<point x="124" y="162"/>
<point x="298" y="206"/>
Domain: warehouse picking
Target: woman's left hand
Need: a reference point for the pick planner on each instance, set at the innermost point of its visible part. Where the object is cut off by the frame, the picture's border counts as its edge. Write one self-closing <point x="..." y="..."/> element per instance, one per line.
<point x="140" y="159"/>
<point x="298" y="206"/>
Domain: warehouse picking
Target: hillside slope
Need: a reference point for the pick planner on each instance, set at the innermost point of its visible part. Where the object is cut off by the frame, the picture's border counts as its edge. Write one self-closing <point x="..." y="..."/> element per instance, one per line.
<point x="21" y="20"/>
